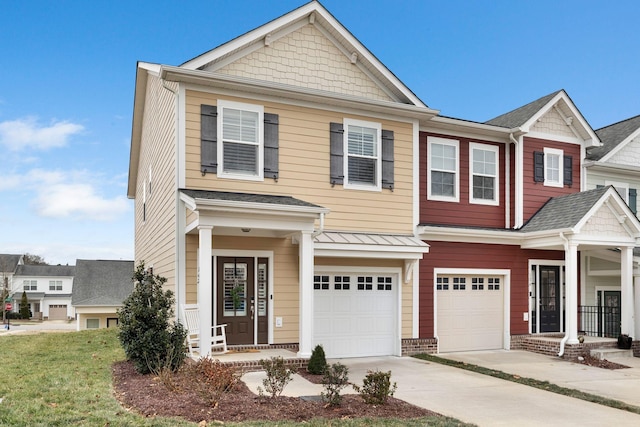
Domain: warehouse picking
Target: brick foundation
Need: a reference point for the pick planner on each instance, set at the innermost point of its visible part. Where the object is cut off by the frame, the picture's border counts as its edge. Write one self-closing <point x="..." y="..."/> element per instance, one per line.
<point x="411" y="346"/>
<point x="294" y="363"/>
<point x="549" y="344"/>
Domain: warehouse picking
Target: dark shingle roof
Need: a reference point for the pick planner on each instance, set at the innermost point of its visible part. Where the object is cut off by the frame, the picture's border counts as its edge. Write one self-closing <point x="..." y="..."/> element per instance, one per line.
<point x="9" y="262"/>
<point x="612" y="135"/>
<point x="564" y="212"/>
<point x="519" y="116"/>
<point x="102" y="282"/>
<point x="249" y="198"/>
<point x="46" y="270"/>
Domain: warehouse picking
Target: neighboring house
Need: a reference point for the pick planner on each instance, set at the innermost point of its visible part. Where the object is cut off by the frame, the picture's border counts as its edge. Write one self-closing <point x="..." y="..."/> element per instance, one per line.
<point x="273" y="179"/>
<point x="8" y="265"/>
<point x="99" y="288"/>
<point x="511" y="230"/>
<point x="48" y="289"/>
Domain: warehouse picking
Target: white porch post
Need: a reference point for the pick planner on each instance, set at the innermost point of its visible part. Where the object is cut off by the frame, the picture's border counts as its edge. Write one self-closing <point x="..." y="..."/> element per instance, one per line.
<point x="626" y="287"/>
<point x="306" y="294"/>
<point x="636" y="292"/>
<point x="571" y="289"/>
<point x="205" y="287"/>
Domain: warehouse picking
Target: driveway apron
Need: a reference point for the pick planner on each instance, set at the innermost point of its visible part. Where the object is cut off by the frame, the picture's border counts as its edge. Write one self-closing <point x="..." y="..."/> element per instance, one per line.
<point x="484" y="400"/>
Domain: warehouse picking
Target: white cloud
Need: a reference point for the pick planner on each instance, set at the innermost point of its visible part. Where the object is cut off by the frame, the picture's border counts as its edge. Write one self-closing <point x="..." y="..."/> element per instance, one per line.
<point x="28" y="133"/>
<point x="79" y="200"/>
<point x="72" y="194"/>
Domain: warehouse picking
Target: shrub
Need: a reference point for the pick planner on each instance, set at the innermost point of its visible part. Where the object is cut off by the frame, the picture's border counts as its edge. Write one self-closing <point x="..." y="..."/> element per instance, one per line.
<point x="25" y="311"/>
<point x="376" y="387"/>
<point x="147" y="336"/>
<point x="211" y="378"/>
<point x="334" y="380"/>
<point x="317" y="362"/>
<point x="278" y="376"/>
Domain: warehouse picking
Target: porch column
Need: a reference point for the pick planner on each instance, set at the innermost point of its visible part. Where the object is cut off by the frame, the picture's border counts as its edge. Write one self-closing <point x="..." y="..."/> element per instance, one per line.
<point x="306" y="294"/>
<point x="636" y="292"/>
<point x="205" y="287"/>
<point x="626" y="288"/>
<point x="571" y="289"/>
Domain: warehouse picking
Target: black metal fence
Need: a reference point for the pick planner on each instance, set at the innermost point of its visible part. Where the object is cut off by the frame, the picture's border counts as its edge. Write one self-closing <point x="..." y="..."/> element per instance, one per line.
<point x="599" y="321"/>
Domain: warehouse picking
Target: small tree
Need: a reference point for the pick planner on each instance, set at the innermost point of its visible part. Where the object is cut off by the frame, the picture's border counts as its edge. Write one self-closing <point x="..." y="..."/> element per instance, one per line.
<point x="150" y="340"/>
<point x="25" y="311"/>
<point x="318" y="361"/>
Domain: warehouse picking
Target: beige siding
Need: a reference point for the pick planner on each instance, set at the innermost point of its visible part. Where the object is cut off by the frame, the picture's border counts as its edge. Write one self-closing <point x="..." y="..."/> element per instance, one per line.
<point x="304" y="168"/>
<point x="155" y="237"/>
<point x="306" y="58"/>
<point x="102" y="318"/>
<point x="553" y="124"/>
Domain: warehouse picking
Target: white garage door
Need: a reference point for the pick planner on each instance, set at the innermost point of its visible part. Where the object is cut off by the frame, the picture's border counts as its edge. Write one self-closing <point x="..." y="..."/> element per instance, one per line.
<point x="470" y="312"/>
<point x="355" y="314"/>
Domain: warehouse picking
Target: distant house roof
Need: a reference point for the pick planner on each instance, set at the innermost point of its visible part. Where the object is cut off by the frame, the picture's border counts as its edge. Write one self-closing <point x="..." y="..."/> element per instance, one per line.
<point x="611" y="136"/>
<point x="102" y="282"/>
<point x="9" y="262"/>
<point x="564" y="212"/>
<point x="520" y="116"/>
<point x="46" y="270"/>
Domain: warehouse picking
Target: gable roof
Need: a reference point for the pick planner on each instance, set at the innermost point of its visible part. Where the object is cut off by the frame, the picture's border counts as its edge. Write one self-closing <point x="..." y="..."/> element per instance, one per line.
<point x="614" y="137"/>
<point x="519" y="116"/>
<point x="46" y="270"/>
<point x="525" y="117"/>
<point x="564" y="212"/>
<point x="315" y="14"/>
<point x="102" y="282"/>
<point x="9" y="262"/>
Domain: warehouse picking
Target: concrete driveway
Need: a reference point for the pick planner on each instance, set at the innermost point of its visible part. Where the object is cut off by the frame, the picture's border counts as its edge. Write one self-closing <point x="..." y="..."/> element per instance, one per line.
<point x="484" y="400"/>
<point x="24" y="327"/>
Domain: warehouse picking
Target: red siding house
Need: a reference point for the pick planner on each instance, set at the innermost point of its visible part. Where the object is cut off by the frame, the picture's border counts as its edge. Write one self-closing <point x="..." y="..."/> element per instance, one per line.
<point x="509" y="219"/>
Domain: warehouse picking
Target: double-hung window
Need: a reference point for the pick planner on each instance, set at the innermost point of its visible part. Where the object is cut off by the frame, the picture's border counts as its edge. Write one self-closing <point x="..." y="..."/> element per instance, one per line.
<point x="55" y="285"/>
<point x="483" y="179"/>
<point x="362" y="157"/>
<point x="553" y="164"/>
<point x="443" y="165"/>
<point x="240" y="128"/>
<point x="30" y="285"/>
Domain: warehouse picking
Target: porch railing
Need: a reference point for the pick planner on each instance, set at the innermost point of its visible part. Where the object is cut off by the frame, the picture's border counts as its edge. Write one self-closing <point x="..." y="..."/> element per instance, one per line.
<point x="599" y="321"/>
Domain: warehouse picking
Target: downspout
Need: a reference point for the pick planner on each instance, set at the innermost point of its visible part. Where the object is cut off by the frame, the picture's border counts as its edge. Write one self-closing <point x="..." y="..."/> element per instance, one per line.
<point x="320" y="230"/>
<point x="563" y="341"/>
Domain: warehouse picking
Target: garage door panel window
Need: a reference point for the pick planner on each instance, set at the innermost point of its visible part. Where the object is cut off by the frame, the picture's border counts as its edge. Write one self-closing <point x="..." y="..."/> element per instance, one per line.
<point x="342" y="283"/>
<point x="321" y="282"/>
<point x="459" y="283"/>
<point x="493" y="284"/>
<point x="442" y="283"/>
<point x="385" y="283"/>
<point x="365" y="283"/>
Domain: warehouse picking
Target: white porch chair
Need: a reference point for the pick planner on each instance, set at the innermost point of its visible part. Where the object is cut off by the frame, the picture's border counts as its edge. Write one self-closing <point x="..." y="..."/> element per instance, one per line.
<point x="191" y="316"/>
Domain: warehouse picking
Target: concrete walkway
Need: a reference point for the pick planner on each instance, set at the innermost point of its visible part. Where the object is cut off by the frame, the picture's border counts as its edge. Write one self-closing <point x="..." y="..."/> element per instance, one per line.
<point x="480" y="399"/>
<point x="25" y="327"/>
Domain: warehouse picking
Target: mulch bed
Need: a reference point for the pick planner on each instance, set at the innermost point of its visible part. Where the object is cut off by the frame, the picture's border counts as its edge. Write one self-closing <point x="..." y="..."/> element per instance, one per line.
<point x="148" y="396"/>
<point x="598" y="363"/>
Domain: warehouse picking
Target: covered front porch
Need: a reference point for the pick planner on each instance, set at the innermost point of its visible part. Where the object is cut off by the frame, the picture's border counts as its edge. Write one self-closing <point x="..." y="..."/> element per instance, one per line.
<point x="585" y="224"/>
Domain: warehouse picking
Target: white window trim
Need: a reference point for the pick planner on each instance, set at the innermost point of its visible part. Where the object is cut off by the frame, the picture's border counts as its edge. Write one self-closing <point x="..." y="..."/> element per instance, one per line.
<point x="378" y="128"/>
<point x="560" y="154"/>
<point x="496" y="182"/>
<point x="620" y="186"/>
<point x="222" y="104"/>
<point x="445" y="141"/>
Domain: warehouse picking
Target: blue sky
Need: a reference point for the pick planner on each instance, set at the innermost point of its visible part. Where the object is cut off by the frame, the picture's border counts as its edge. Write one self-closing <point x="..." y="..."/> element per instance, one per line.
<point x="67" y="71"/>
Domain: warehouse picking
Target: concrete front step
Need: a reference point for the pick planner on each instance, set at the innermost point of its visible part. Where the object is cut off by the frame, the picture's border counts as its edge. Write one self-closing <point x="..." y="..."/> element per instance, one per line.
<point x="609" y="353"/>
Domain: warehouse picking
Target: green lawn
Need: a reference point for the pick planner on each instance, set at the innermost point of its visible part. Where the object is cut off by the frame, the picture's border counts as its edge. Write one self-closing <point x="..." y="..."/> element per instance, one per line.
<point x="64" y="379"/>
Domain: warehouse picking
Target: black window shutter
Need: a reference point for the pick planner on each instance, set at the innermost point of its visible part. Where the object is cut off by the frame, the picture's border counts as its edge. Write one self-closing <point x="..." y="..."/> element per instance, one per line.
<point x="599" y="186"/>
<point x="387" y="159"/>
<point x="337" y="153"/>
<point x="209" y="138"/>
<point x="568" y="170"/>
<point x="271" y="146"/>
<point x="538" y="166"/>
<point x="633" y="200"/>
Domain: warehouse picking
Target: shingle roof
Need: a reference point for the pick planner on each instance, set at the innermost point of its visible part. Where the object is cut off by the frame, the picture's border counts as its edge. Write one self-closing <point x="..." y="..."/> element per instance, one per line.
<point x="248" y="198"/>
<point x="370" y="239"/>
<point x="9" y="262"/>
<point x="611" y="136"/>
<point x="564" y="212"/>
<point x="102" y="282"/>
<point x="519" y="116"/>
<point x="46" y="270"/>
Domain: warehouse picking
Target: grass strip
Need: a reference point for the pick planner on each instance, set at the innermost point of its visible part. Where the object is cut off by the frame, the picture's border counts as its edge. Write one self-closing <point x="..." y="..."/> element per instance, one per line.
<point x="542" y="385"/>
